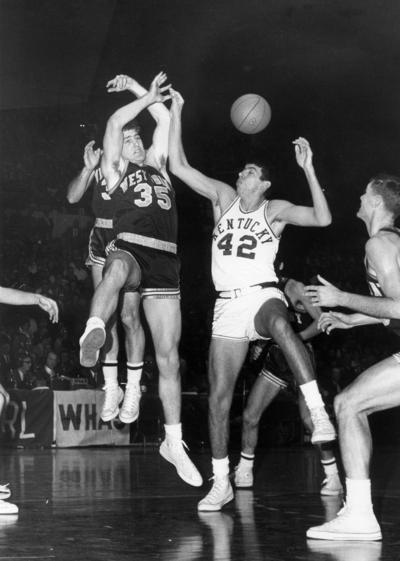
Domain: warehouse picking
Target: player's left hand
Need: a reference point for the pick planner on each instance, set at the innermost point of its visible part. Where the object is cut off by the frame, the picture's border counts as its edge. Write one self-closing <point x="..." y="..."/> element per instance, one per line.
<point x="326" y="295"/>
<point x="49" y="306"/>
<point x="303" y="152"/>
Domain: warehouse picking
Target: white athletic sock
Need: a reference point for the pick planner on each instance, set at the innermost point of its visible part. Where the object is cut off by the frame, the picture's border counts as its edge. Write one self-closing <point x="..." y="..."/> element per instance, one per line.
<point x="312" y="395"/>
<point x="246" y="460"/>
<point x="220" y="467"/>
<point x="173" y="433"/>
<point x="358" y="494"/>
<point x="330" y="467"/>
<point x="110" y="373"/>
<point x="133" y="373"/>
<point x="95" y="321"/>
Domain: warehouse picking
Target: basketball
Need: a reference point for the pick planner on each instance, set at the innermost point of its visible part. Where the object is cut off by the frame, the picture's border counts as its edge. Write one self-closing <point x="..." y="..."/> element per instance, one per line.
<point x="250" y="113"/>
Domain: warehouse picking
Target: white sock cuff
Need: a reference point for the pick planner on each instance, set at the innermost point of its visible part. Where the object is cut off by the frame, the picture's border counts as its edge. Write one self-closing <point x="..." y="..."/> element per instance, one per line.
<point x="312" y="394"/>
<point x="95" y="321"/>
<point x="220" y="467"/>
<point x="173" y="431"/>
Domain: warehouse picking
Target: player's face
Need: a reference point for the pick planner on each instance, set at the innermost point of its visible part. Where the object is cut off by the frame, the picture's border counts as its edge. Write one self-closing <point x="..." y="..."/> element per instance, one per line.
<point x="366" y="203"/>
<point x="249" y="180"/>
<point x="132" y="148"/>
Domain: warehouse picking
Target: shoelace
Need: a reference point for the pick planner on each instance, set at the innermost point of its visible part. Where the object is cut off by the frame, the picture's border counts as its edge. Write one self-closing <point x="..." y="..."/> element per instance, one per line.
<point x="111" y="394"/>
<point x="132" y="397"/>
<point x="216" y="489"/>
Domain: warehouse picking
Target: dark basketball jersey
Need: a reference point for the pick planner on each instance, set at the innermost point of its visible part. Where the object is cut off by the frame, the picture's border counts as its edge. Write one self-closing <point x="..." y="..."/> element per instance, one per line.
<point x="102" y="203"/>
<point x="374" y="286"/>
<point x="145" y="206"/>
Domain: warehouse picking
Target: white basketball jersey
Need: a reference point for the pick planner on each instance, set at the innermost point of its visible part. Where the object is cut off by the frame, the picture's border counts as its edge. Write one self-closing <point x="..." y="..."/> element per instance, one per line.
<point x="243" y="248"/>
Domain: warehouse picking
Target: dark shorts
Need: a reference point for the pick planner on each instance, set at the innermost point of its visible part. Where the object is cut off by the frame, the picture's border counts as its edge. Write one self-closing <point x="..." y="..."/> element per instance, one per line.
<point x="159" y="270"/>
<point x="99" y="239"/>
<point x="276" y="369"/>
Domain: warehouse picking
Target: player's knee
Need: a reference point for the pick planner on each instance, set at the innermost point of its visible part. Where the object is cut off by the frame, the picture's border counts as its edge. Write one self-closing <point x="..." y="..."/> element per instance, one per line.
<point x="116" y="271"/>
<point x="346" y="404"/>
<point x="130" y="320"/>
<point x="219" y="403"/>
<point x="250" y="418"/>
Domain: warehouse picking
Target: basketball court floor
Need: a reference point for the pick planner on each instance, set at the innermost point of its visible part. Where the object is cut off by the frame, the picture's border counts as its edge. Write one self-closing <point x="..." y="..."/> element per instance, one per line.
<point x="120" y="504"/>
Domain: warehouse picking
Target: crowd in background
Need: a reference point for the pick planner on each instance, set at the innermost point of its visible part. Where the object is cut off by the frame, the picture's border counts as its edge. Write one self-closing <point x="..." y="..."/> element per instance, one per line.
<point x="40" y="256"/>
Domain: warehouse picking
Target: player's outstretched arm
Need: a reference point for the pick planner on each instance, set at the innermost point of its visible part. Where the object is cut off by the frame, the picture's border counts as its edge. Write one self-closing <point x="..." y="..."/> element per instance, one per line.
<point x="79" y="185"/>
<point x="112" y="164"/>
<point x="219" y="193"/>
<point x="20" y="298"/>
<point x="329" y="321"/>
<point x="381" y="254"/>
<point x="316" y="215"/>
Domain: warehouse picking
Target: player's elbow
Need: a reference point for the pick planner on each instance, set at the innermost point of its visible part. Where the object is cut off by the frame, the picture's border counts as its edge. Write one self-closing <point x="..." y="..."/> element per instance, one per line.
<point x="324" y="220"/>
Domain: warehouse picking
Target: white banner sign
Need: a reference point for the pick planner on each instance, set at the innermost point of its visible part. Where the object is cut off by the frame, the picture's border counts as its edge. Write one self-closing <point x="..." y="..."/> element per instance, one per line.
<point x="77" y="420"/>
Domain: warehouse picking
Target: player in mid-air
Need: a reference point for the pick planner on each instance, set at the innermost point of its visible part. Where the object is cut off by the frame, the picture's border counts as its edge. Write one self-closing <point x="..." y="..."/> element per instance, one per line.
<point x="249" y="303"/>
<point x="144" y="254"/>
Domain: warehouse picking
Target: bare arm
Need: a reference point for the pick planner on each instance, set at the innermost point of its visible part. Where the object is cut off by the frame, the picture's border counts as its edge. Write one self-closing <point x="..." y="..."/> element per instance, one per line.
<point x="20" y="298"/>
<point x="158" y="151"/>
<point x="219" y="193"/>
<point x="112" y="163"/>
<point x="383" y="257"/>
<point x="79" y="185"/>
<point x="318" y="214"/>
<point x="336" y="320"/>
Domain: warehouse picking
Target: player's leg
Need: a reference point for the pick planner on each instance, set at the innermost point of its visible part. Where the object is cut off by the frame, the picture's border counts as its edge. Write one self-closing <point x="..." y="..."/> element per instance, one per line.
<point x="264" y="390"/>
<point x="376" y="389"/>
<point x="226" y="358"/>
<point x="331" y="485"/>
<point x="272" y="321"/>
<point x="134" y="345"/>
<point x="109" y="356"/>
<point x="164" y="318"/>
<point x="120" y="267"/>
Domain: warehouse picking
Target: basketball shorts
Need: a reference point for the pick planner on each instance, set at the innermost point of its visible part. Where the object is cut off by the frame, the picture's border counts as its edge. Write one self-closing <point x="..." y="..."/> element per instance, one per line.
<point x="99" y="239"/>
<point x="234" y="317"/>
<point x="275" y="368"/>
<point x="159" y="269"/>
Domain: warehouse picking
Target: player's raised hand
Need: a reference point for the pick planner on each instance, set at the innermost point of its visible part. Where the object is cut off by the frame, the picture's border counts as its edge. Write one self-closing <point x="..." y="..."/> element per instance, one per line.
<point x="334" y="320"/>
<point x="325" y="295"/>
<point x="120" y="83"/>
<point x="303" y="152"/>
<point x="177" y="100"/>
<point x="157" y="89"/>
<point x="49" y="306"/>
<point x="91" y="157"/>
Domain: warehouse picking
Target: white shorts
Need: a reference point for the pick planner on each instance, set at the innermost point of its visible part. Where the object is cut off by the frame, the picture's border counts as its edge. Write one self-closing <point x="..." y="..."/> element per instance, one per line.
<point x="234" y="317"/>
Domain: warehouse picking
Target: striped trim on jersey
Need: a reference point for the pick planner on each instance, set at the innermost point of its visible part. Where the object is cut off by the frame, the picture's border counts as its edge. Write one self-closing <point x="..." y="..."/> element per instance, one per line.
<point x="104" y="223"/>
<point x="137" y="239"/>
<point x="274" y="379"/>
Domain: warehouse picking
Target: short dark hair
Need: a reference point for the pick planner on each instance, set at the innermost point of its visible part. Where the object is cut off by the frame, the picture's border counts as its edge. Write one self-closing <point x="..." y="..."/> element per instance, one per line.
<point x="265" y="171"/>
<point x="132" y="125"/>
<point x="388" y="187"/>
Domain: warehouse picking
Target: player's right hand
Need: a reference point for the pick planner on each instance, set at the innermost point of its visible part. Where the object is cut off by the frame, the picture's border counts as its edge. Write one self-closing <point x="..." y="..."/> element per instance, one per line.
<point x="91" y="157"/>
<point x="49" y="306"/>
